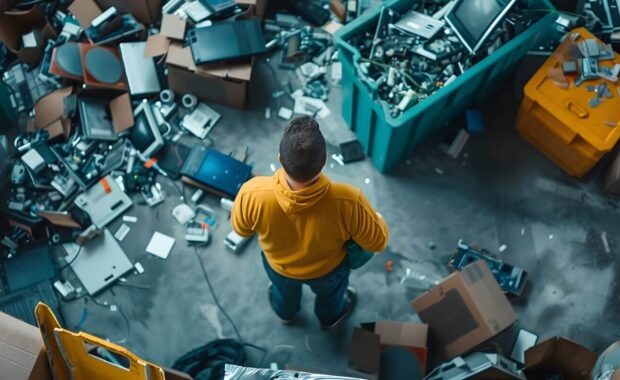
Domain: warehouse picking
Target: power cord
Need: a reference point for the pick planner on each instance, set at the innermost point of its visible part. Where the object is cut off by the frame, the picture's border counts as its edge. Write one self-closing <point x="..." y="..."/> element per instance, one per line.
<point x="111" y="308"/>
<point x="217" y="302"/>
<point x="68" y="264"/>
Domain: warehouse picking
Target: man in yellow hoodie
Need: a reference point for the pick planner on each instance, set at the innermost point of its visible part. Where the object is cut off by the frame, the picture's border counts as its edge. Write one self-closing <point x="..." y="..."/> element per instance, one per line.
<point x="303" y="221"/>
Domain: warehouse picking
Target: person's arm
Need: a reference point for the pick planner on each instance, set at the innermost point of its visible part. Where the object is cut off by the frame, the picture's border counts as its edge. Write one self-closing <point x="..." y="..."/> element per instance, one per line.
<point x="368" y="229"/>
<point x="240" y="216"/>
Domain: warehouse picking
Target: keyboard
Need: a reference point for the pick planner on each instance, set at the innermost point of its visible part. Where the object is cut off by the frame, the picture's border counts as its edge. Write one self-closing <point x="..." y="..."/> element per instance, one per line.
<point x="21" y="304"/>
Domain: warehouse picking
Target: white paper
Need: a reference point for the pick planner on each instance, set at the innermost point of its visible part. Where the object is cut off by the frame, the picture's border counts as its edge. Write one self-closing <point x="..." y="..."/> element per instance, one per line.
<point x="122" y="231"/>
<point x="160" y="245"/>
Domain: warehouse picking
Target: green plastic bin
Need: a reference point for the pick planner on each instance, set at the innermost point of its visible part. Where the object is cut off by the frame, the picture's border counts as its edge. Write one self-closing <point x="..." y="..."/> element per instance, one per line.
<point x="388" y="141"/>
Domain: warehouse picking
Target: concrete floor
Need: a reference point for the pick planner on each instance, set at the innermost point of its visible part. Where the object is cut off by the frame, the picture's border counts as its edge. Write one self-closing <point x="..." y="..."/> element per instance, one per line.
<point x="500" y="191"/>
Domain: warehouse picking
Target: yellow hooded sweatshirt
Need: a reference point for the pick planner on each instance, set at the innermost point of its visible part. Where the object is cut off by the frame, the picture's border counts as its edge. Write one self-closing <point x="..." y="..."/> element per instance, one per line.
<point x="303" y="232"/>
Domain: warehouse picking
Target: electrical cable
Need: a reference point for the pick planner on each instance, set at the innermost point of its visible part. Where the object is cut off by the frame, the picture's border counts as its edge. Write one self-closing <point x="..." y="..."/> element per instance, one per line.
<point x="68" y="264"/>
<point x="120" y="311"/>
<point x="215" y="299"/>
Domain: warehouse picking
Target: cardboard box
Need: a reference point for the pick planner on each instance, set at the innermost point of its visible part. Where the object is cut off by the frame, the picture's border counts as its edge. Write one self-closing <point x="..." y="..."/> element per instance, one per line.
<point x="145" y="11"/>
<point x="371" y="345"/>
<point x="120" y="108"/>
<point x="22" y="356"/>
<point x="49" y="114"/>
<point x="559" y="355"/>
<point x="222" y="83"/>
<point x="14" y="24"/>
<point x="464" y="310"/>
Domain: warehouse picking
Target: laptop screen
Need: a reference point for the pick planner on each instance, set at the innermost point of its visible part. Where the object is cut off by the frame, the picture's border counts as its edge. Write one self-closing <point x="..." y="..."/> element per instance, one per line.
<point x="223" y="172"/>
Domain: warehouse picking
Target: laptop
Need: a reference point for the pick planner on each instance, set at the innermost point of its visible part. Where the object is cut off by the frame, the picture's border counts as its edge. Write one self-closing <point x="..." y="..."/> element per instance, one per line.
<point x="242" y="38"/>
<point x="26" y="280"/>
<point x="215" y="171"/>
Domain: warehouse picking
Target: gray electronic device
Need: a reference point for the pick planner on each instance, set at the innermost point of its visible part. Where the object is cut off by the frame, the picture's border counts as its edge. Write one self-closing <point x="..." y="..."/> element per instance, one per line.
<point x="145" y="135"/>
<point x="100" y="262"/>
<point x="141" y="71"/>
<point x="201" y="120"/>
<point x="235" y="242"/>
<point x="104" y="201"/>
<point x="420" y="24"/>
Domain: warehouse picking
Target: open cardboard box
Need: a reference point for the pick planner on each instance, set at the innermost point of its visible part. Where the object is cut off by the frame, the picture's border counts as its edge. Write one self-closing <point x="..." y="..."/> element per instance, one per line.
<point x="370" y="342"/>
<point x="49" y="114"/>
<point x="464" y="310"/>
<point x="224" y="83"/>
<point x="121" y="112"/>
<point x="559" y="355"/>
<point x="14" y="24"/>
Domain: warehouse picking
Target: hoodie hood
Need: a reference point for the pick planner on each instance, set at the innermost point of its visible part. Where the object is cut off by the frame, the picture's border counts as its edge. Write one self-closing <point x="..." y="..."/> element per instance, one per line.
<point x="296" y="201"/>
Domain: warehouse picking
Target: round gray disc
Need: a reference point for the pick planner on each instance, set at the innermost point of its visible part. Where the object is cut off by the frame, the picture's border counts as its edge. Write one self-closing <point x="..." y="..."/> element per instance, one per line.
<point x="68" y="58"/>
<point x="103" y="65"/>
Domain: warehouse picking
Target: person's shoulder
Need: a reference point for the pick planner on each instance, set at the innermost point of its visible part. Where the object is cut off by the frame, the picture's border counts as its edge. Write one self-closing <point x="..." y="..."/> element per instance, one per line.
<point x="257" y="186"/>
<point x="344" y="191"/>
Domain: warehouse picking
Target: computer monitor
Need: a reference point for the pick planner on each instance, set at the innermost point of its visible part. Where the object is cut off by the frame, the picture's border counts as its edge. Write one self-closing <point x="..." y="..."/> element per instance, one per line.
<point x="474" y="20"/>
<point x="145" y="134"/>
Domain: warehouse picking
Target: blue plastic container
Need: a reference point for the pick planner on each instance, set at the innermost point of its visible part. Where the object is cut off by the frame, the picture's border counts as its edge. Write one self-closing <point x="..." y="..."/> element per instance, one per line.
<point x="387" y="140"/>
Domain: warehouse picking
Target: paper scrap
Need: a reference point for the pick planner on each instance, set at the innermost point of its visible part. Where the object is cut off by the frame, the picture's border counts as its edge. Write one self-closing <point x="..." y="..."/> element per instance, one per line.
<point x="160" y="245"/>
<point x="285" y="113"/>
<point x="122" y="231"/>
<point x="129" y="219"/>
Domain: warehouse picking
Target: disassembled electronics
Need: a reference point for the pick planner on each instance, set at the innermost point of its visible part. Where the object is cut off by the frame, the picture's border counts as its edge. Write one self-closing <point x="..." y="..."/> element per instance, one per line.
<point x="104" y="201"/>
<point x="201" y="120"/>
<point x="510" y="278"/>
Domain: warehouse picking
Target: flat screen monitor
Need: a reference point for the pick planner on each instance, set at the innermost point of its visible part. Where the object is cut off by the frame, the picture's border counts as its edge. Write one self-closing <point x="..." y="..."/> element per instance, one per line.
<point x="474" y="20"/>
<point x="226" y="40"/>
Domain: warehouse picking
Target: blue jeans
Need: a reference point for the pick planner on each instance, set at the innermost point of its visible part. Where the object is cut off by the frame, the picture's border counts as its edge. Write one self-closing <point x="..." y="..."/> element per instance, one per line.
<point x="330" y="289"/>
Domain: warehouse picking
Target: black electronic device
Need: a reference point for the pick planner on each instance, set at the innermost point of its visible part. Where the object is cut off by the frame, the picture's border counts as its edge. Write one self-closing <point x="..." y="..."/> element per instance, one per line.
<point x="220" y="7"/>
<point x="474" y="21"/>
<point x="510" y="278"/>
<point x="243" y="38"/>
<point x="352" y="151"/>
<point x="171" y="158"/>
<point x="216" y="171"/>
<point x="30" y="266"/>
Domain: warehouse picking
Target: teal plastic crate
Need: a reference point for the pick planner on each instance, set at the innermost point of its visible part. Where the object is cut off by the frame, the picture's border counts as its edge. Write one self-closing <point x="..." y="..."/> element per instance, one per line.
<point x="387" y="140"/>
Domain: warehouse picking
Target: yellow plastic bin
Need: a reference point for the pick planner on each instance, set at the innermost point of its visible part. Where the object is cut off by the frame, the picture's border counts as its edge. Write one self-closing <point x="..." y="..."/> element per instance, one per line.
<point x="560" y="122"/>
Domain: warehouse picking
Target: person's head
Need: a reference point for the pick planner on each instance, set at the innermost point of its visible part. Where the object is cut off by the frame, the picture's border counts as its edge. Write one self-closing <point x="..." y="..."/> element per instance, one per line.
<point x="303" y="152"/>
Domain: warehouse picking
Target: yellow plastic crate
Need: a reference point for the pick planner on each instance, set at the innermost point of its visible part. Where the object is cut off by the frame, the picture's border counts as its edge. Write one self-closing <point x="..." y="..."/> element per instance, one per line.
<point x="560" y="122"/>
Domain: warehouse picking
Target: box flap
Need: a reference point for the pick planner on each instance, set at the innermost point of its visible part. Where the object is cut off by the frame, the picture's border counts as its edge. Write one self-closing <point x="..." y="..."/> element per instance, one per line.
<point x="156" y="45"/>
<point x="173" y="26"/>
<point x="571" y="359"/>
<point x="50" y="108"/>
<point x="14" y="24"/>
<point x="180" y="56"/>
<point x="122" y="113"/>
<point x="365" y="351"/>
<point x="240" y="71"/>
<point x="85" y="11"/>
<point x="20" y="348"/>
<point x="402" y="333"/>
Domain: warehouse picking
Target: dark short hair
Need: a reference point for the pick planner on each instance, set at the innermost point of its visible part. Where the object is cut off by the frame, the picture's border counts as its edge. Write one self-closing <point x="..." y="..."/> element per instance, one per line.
<point x="302" y="149"/>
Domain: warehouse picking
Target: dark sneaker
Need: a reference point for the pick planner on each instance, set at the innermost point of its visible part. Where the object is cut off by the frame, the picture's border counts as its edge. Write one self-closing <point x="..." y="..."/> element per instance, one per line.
<point x="284" y="321"/>
<point x="350" y="297"/>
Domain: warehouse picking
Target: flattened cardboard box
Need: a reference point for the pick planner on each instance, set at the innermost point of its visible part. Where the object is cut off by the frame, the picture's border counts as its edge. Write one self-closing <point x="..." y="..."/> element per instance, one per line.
<point x="464" y="310"/>
<point x="371" y="339"/>
<point x="22" y="356"/>
<point x="559" y="355"/>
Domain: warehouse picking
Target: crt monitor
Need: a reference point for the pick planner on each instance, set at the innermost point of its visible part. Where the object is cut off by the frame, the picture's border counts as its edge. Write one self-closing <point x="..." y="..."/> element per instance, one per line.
<point x="145" y="134"/>
<point x="474" y="20"/>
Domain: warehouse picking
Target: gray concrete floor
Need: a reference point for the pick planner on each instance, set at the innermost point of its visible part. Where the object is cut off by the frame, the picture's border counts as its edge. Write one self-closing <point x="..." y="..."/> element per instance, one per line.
<point x="501" y="191"/>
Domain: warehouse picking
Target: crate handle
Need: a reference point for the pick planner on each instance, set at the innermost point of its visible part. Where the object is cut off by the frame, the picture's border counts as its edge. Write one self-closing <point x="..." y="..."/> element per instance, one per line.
<point x="576" y="110"/>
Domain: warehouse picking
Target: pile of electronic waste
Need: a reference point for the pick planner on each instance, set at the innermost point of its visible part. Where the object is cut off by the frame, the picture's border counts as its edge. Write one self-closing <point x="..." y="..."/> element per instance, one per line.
<point x="409" y="56"/>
